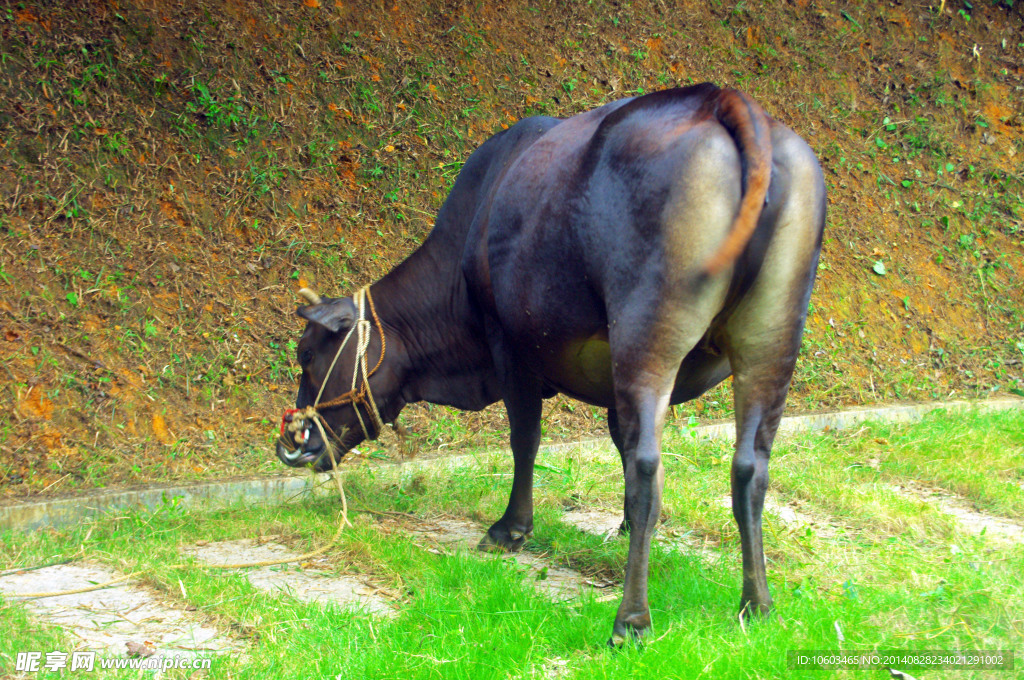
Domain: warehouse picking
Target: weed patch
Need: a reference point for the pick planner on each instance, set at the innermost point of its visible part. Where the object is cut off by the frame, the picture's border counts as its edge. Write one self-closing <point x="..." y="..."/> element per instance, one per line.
<point x="889" y="573"/>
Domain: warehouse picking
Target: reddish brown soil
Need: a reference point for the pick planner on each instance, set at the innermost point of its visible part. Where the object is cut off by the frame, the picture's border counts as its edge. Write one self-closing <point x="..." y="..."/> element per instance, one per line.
<point x="171" y="176"/>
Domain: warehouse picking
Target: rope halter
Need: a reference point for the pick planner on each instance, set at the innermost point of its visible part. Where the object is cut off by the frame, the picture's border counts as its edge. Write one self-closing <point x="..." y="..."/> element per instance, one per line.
<point x="360" y="394"/>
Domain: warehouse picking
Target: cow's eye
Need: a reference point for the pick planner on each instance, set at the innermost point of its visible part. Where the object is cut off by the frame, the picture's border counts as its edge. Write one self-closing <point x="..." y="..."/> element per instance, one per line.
<point x="305" y="356"/>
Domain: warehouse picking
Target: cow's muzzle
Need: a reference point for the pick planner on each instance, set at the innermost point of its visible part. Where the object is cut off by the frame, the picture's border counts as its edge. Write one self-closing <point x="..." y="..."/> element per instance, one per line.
<point x="306" y="440"/>
<point x="297" y="444"/>
<point x="302" y="456"/>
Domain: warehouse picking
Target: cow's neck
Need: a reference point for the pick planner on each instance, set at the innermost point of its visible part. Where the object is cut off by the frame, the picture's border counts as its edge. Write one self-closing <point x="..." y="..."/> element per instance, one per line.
<point x="425" y="306"/>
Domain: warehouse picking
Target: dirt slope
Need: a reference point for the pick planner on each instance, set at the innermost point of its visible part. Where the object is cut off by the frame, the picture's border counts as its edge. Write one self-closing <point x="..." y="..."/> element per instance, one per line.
<point x="169" y="177"/>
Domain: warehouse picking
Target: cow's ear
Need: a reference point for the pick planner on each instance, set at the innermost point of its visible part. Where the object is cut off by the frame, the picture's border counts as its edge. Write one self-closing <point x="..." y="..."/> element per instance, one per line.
<point x="334" y="315"/>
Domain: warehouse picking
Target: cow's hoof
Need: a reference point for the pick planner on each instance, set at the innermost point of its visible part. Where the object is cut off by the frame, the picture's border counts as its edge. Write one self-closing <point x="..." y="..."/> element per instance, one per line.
<point x="624" y="635"/>
<point x="500" y="538"/>
<point x="755" y="611"/>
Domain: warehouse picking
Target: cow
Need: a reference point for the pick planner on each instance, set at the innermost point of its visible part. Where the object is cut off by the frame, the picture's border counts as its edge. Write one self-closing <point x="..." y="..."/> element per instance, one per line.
<point x="632" y="257"/>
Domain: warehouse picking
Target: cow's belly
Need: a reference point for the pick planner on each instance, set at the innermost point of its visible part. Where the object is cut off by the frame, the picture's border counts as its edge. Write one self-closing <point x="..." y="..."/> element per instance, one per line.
<point x="582" y="369"/>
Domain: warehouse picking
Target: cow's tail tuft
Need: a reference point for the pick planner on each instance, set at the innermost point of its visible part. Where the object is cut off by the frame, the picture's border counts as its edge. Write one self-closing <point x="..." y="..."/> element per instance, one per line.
<point x="747" y="122"/>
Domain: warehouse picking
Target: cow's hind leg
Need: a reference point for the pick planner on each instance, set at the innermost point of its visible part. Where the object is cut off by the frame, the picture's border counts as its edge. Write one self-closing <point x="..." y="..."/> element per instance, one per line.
<point x="616" y="435"/>
<point x="641" y="411"/>
<point x="647" y="349"/>
<point x="523" y="403"/>
<point x="760" y="398"/>
<point x="762" y="340"/>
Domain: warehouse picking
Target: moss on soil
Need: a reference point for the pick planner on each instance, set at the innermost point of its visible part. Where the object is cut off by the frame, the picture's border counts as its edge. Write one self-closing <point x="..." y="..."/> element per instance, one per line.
<point x="171" y="176"/>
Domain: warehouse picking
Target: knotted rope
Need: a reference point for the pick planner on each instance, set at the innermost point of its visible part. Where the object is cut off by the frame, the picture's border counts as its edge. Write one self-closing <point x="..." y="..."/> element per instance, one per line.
<point x="360" y="393"/>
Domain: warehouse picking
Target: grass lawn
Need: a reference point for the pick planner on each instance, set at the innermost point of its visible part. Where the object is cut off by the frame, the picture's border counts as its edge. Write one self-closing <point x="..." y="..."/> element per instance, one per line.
<point x="875" y="570"/>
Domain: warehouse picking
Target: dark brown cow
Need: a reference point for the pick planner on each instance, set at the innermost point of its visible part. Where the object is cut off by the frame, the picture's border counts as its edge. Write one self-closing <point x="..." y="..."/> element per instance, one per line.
<point x="633" y="257"/>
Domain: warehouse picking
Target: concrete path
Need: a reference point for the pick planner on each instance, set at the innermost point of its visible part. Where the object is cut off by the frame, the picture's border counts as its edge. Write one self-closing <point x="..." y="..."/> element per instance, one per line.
<point x="310" y="582"/>
<point x="119" y="620"/>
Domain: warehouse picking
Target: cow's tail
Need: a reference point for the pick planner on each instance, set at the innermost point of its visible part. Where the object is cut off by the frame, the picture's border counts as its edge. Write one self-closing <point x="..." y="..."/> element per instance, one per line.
<point x="747" y="122"/>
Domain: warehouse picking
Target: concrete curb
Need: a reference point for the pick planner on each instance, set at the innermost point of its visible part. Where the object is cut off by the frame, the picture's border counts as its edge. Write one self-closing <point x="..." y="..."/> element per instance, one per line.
<point x="274" y="490"/>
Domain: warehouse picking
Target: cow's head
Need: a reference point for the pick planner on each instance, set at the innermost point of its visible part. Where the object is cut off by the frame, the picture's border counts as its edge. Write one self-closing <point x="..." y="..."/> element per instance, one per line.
<point x="347" y="390"/>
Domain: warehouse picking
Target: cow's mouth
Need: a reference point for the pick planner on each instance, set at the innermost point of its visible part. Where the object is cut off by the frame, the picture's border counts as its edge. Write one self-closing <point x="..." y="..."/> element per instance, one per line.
<point x="299" y="445"/>
<point x="313" y="452"/>
<point x="300" y="457"/>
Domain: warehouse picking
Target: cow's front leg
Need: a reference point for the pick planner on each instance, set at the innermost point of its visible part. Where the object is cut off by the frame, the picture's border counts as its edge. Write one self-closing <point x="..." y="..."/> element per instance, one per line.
<point x="640" y="421"/>
<point x="523" y="403"/>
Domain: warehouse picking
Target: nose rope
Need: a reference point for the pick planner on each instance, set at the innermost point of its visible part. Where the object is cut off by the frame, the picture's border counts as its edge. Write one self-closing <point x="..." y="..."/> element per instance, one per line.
<point x="359" y="394"/>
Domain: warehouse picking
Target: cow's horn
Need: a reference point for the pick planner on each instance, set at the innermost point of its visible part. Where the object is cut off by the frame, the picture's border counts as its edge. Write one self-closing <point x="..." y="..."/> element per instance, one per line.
<point x="309" y="296"/>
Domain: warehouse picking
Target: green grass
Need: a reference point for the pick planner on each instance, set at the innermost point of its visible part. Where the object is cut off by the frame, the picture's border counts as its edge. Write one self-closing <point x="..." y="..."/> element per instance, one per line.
<point x="891" y="574"/>
<point x="980" y="457"/>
